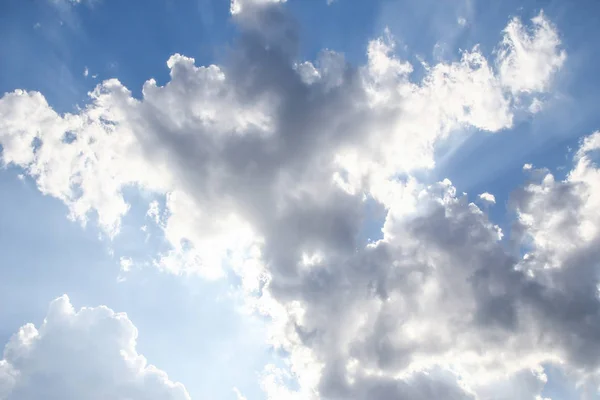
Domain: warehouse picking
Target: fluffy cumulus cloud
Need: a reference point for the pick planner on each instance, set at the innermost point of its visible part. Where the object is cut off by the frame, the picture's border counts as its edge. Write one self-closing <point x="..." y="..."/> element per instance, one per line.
<point x="528" y="58"/>
<point x="266" y="164"/>
<point x="85" y="354"/>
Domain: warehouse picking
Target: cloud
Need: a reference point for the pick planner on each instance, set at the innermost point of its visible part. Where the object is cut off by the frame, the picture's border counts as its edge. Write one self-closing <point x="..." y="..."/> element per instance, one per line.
<point x="488" y="197"/>
<point x="126" y="263"/>
<point x="63" y="4"/>
<point x="266" y="164"/>
<point x="112" y="151"/>
<point x="239" y="6"/>
<point x="558" y="217"/>
<point x="528" y="58"/>
<point x="536" y="106"/>
<point x="440" y="289"/>
<point x="90" y="353"/>
<point x="239" y="394"/>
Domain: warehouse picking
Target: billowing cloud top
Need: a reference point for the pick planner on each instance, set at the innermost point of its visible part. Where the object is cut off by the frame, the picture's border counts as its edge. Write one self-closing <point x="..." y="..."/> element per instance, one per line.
<point x="85" y="354"/>
<point x="266" y="164"/>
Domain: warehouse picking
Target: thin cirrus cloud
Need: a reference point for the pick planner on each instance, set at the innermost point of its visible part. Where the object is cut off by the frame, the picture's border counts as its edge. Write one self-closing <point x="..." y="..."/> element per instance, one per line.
<point x="265" y="163"/>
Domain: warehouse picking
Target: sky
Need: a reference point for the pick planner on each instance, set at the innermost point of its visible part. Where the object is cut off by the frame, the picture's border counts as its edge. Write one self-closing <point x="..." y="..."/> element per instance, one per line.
<point x="299" y="200"/>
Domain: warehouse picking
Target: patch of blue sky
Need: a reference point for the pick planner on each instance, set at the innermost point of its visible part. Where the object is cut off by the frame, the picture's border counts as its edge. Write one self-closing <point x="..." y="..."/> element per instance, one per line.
<point x="560" y="386"/>
<point x="189" y="327"/>
<point x="48" y="45"/>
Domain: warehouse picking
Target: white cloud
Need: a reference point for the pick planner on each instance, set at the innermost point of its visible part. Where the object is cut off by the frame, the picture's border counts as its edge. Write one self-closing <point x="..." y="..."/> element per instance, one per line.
<point x="528" y="58"/>
<point x="126" y="263"/>
<point x="86" y="72"/>
<point x="85" y="354"/>
<point x="589" y="145"/>
<point x="64" y="4"/>
<point x="238" y="6"/>
<point x="488" y="197"/>
<point x="113" y="141"/>
<point x="239" y="394"/>
<point x="536" y="106"/>
<point x="559" y="217"/>
<point x="154" y="212"/>
<point x="265" y="161"/>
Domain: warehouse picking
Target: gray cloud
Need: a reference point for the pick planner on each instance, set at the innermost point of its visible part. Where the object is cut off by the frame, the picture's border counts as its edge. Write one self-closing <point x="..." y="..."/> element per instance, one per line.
<point x="266" y="163"/>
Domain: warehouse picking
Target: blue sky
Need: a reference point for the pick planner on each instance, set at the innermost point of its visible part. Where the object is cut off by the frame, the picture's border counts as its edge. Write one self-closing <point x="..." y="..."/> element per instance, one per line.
<point x="183" y="323"/>
<point x="214" y="334"/>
